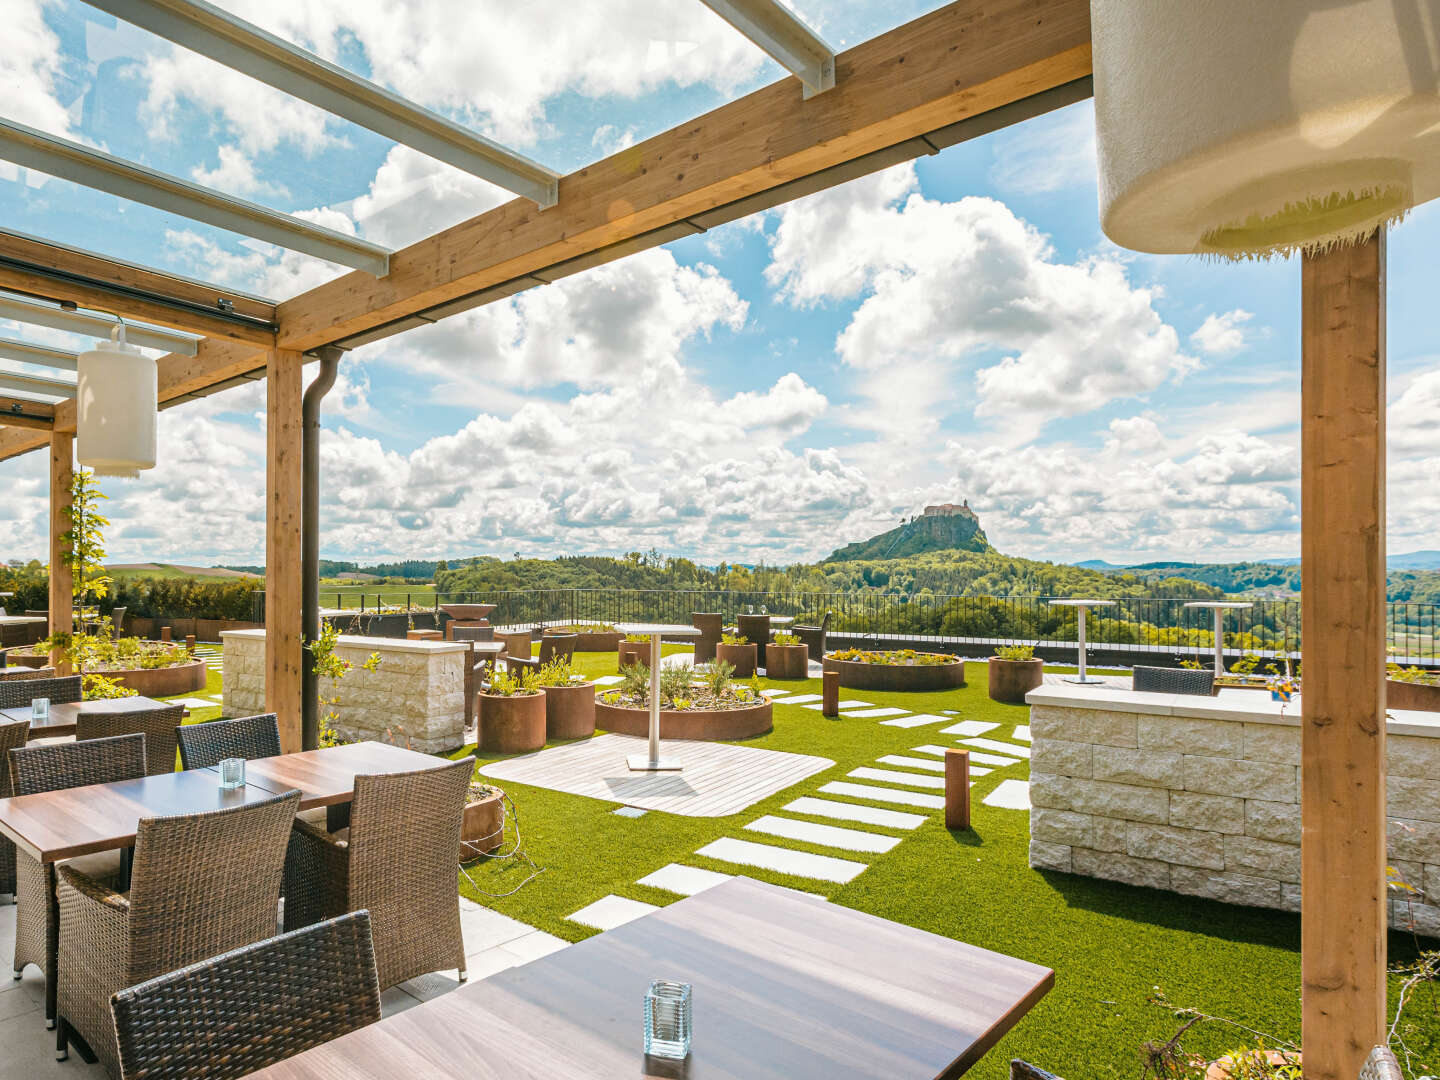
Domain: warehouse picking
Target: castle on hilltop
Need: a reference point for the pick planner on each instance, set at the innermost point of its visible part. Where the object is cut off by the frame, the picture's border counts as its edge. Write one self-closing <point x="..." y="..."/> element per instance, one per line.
<point x="951" y="510"/>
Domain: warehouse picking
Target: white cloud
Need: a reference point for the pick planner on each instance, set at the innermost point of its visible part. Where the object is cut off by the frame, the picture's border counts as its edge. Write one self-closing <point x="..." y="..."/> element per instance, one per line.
<point x="234" y="175"/>
<point x="1135" y="435"/>
<point x="31" y="69"/>
<point x="413" y="196"/>
<point x="1413" y="423"/>
<point x="1221" y="335"/>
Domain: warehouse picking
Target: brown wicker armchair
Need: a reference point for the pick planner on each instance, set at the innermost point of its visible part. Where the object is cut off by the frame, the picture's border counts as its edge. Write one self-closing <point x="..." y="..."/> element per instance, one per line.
<point x="11" y="736"/>
<point x="396" y="860"/>
<point x="203" y="746"/>
<point x="20" y="674"/>
<point x="21" y="692"/>
<point x="552" y="647"/>
<point x="202" y="884"/>
<point x="157" y="725"/>
<point x="814" y="636"/>
<point x="257" y="1005"/>
<point x="55" y="767"/>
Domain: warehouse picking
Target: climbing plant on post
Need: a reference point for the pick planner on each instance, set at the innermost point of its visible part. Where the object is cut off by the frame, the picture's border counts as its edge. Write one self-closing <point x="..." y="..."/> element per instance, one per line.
<point x="84" y="547"/>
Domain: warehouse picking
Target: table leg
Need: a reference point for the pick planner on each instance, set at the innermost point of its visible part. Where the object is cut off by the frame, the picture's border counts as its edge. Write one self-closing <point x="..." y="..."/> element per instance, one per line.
<point x="653" y="762"/>
<point x="1082" y="677"/>
<point x="127" y="863"/>
<point x="1219" y="642"/>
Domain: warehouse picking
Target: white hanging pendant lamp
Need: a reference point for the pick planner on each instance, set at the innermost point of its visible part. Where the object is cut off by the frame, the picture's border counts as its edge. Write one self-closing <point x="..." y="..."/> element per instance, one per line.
<point x="1238" y="128"/>
<point x="116" y="407"/>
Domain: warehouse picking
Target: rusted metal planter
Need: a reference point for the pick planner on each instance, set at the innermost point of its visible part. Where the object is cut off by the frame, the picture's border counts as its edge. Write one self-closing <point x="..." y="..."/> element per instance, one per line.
<point x="1011" y="680"/>
<point x="787" y="661"/>
<point x="857" y="675"/>
<point x="741" y="656"/>
<point x="1412" y="695"/>
<point x="512" y="725"/>
<point x="632" y="652"/>
<point x="482" y="829"/>
<point x="569" y="711"/>
<point x="695" y="724"/>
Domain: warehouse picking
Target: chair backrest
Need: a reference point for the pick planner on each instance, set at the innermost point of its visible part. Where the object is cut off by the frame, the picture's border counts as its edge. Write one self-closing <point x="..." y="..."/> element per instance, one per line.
<point x="1023" y="1070"/>
<point x="12" y="737"/>
<point x="57" y="766"/>
<point x="825" y="622"/>
<point x="203" y="746"/>
<point x="1163" y="680"/>
<point x="472" y="633"/>
<point x="18" y="674"/>
<point x="16" y="694"/>
<point x="1381" y="1065"/>
<point x="255" y="1006"/>
<point x="117" y="620"/>
<point x="206" y="883"/>
<point x="553" y="645"/>
<point x="157" y="725"/>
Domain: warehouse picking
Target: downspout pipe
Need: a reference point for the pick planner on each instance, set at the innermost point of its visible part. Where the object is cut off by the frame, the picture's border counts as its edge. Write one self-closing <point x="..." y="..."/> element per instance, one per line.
<point x="310" y="537"/>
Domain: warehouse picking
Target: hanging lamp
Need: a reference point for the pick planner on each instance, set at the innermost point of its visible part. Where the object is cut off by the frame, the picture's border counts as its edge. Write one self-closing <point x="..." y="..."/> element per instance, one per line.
<point x="116" y="404"/>
<point x="1240" y="129"/>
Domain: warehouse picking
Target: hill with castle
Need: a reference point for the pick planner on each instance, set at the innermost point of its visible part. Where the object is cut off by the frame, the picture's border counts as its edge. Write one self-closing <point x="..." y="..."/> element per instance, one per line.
<point x="943" y="527"/>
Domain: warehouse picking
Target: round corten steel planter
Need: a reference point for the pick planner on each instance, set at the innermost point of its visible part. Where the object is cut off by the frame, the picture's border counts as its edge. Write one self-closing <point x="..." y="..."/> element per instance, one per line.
<point x="860" y="676"/>
<point x="512" y="725"/>
<point x="1011" y="680"/>
<point x="1411" y="695"/>
<point x="593" y="641"/>
<point x="787" y="661"/>
<point x="699" y="724"/>
<point x="163" y="681"/>
<point x="569" y="711"/>
<point x="632" y="652"/>
<point x="741" y="656"/>
<point x="482" y="829"/>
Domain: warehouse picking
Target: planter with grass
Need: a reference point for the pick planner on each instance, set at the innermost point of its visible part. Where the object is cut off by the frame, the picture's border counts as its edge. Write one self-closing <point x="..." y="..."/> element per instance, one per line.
<point x="591" y="637"/>
<point x="1412" y="688"/>
<point x="512" y="715"/>
<point x="1014" y="672"/>
<point x="482" y="829"/>
<point x="739" y="653"/>
<point x="569" y="701"/>
<point x="899" y="669"/>
<point x="787" y="658"/>
<point x="703" y="705"/>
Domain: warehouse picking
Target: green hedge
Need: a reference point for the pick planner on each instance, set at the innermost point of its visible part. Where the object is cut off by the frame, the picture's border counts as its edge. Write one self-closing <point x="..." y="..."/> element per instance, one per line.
<point x="183" y="598"/>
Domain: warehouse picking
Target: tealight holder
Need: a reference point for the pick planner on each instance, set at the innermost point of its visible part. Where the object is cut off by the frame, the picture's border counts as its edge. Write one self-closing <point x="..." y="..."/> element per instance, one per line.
<point x="232" y="773"/>
<point x="667" y="1020"/>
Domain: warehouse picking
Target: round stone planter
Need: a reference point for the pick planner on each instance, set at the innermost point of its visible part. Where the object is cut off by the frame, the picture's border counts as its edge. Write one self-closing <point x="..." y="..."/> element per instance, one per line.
<point x="1411" y="695"/>
<point x="512" y="725"/>
<point x="1011" y="680"/>
<point x="593" y="641"/>
<point x="742" y="656"/>
<point x="856" y="675"/>
<point x="632" y="652"/>
<point x="697" y="724"/>
<point x="482" y="829"/>
<point x="569" y="711"/>
<point x="787" y="661"/>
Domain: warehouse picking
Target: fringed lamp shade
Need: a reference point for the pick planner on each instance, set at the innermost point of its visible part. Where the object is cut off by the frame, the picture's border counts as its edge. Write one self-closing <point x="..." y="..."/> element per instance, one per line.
<point x="1241" y="128"/>
<point x="116" y="402"/>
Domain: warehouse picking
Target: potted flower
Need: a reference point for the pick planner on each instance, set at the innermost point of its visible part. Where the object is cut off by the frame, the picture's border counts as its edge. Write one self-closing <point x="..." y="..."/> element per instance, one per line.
<point x="787" y="657"/>
<point x="1015" y="670"/>
<point x="512" y="714"/>
<point x="635" y="649"/>
<point x="482" y="829"/>
<point x="569" y="701"/>
<point x="739" y="652"/>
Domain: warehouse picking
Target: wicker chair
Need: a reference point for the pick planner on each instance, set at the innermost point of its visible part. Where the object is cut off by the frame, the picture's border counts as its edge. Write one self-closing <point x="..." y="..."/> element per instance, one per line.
<point x="814" y="636"/>
<point x="19" y="674"/>
<point x="1381" y="1065"/>
<point x="252" y="1007"/>
<point x="711" y="625"/>
<point x="56" y="767"/>
<point x="1164" y="680"/>
<point x="18" y="693"/>
<point x="757" y="630"/>
<point x="472" y="633"/>
<point x="157" y="725"/>
<point x="203" y="746"/>
<point x="202" y="884"/>
<point x="552" y="647"/>
<point x="1023" y="1070"/>
<point x="396" y="860"/>
<point x="11" y="736"/>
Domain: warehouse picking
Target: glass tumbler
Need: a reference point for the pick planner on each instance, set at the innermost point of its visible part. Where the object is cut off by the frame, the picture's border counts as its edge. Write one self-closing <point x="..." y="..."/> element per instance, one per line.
<point x="232" y="773"/>
<point x="667" y="1020"/>
<point x="40" y="709"/>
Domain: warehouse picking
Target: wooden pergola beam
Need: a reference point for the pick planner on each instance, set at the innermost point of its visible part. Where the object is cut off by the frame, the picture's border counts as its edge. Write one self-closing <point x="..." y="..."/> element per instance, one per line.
<point x="965" y="59"/>
<point x="24" y="413"/>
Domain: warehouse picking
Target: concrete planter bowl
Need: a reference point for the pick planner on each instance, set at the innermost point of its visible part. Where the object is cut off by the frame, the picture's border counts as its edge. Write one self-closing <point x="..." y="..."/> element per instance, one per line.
<point x="696" y="724"/>
<point x="1011" y="680"/>
<point x="482" y="829"/>
<point x="593" y="641"/>
<point x="858" y="675"/>
<point x="569" y="711"/>
<point x="787" y="661"/>
<point x="741" y="656"/>
<point x="1411" y="695"/>
<point x="512" y="725"/>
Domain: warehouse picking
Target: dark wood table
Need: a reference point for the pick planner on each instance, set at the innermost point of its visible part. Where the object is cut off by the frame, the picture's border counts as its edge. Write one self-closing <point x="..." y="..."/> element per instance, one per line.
<point x="326" y="777"/>
<point x="63" y="713"/>
<point x="786" y="987"/>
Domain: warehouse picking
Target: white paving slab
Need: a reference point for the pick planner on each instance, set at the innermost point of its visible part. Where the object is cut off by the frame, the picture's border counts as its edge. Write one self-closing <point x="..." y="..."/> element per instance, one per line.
<point x="930" y="748"/>
<point x="611" y="911"/>
<point x="1022" y="732"/>
<point x="191" y="702"/>
<point x="968" y="727"/>
<point x="609" y="680"/>
<point x="852" y="703"/>
<point x="880" y="794"/>
<point x="629" y="811"/>
<point x="782" y="860"/>
<point x="912" y="763"/>
<point x="991" y="759"/>
<point x="1009" y="795"/>
<point x="918" y="720"/>
<point x="949" y="712"/>
<point x="824" y="835"/>
<point x="890" y="776"/>
<point x="999" y="747"/>
<point x="978" y="770"/>
<point x="866" y="714"/>
<point x="867" y="815"/>
<point x="799" y="699"/>
<point x="682" y="879"/>
<point x="774" y="692"/>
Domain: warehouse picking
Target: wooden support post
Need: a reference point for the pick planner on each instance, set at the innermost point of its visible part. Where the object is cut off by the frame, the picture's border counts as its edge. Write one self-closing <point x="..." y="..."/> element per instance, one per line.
<point x="830" y="693"/>
<point x="957" y="788"/>
<point x="1342" y="598"/>
<point x="62" y="597"/>
<point x="284" y="622"/>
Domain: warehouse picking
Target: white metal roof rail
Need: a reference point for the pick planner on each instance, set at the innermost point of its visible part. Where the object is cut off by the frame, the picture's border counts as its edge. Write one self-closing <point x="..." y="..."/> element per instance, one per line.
<point x="212" y="32"/>
<point x="31" y="384"/>
<point x="39" y="313"/>
<point x="787" y="40"/>
<point x="25" y="353"/>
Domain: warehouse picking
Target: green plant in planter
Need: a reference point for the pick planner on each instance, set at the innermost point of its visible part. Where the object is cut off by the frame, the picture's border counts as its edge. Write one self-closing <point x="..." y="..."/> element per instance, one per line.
<point x="674" y="683"/>
<point x="638" y="639"/>
<point x="1412" y="675"/>
<point x="787" y="639"/>
<point x="509" y="684"/>
<point x="1015" y="653"/>
<point x="717" y="676"/>
<point x="635" y="679"/>
<point x="559" y="672"/>
<point x="734" y="639"/>
<point x="98" y="687"/>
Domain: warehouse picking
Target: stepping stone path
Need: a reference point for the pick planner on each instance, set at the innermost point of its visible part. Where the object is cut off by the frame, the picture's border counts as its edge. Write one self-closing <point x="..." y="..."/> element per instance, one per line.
<point x="824" y="835"/>
<point x="684" y="880"/>
<point x="889" y="776"/>
<point x="611" y="911"/>
<point x="868" y="815"/>
<point x="918" y="720"/>
<point x="880" y="794"/>
<point x="782" y="860"/>
<point x="991" y="759"/>
<point x="1000" y="747"/>
<point x="851" y="703"/>
<point x="629" y="811"/>
<point x="1022" y="732"/>
<point x="801" y="698"/>
<point x="913" y="763"/>
<point x="968" y="727"/>
<point x="866" y="714"/>
<point x="609" y="680"/>
<point x="1009" y="795"/>
<point x="772" y="693"/>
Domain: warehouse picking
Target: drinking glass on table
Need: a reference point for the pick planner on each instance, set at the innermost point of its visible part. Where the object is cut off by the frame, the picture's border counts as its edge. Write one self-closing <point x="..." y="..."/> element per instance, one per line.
<point x="667" y="1020"/>
<point x="40" y="709"/>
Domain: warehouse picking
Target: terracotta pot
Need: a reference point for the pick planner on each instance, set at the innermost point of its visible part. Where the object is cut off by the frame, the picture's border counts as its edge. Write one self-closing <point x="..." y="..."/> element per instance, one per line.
<point x="633" y="652"/>
<point x="569" y="711"/>
<point x="787" y="661"/>
<point x="512" y="725"/>
<point x="688" y="723"/>
<point x="857" y="675"/>
<point x="482" y="829"/>
<point x="742" y="656"/>
<point x="1011" y="680"/>
<point x="1409" y="695"/>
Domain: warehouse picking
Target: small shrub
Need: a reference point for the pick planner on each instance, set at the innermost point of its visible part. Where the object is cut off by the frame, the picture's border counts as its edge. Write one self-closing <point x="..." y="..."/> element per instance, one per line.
<point x="508" y="684"/>
<point x="1015" y="652"/>
<point x="635" y="679"/>
<point x="674" y="683"/>
<point x="559" y="672"/>
<point x="734" y="639"/>
<point x="717" y="676"/>
<point x="638" y="639"/>
<point x="787" y="639"/>
<point x="98" y="687"/>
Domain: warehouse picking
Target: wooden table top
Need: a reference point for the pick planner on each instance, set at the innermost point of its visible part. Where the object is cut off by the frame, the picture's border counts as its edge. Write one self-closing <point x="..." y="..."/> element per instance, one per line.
<point x="326" y="777"/>
<point x="63" y="713"/>
<point x="786" y="987"/>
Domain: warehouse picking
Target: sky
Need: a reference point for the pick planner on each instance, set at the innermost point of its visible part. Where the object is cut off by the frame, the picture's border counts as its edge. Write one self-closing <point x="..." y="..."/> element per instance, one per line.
<point x="954" y="328"/>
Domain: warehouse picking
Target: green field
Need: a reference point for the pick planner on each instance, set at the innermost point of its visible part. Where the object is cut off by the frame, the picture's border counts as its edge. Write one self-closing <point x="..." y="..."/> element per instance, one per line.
<point x="335" y="592"/>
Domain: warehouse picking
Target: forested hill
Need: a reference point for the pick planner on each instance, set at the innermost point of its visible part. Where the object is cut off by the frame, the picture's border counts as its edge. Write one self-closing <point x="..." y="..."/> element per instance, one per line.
<point x="956" y="532"/>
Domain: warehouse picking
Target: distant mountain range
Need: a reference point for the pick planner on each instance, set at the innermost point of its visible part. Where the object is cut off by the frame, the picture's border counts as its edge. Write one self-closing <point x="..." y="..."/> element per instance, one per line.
<point x="1412" y="560"/>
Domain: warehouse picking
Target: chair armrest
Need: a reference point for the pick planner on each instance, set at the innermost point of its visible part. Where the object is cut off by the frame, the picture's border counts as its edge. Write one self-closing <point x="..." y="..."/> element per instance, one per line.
<point x="93" y="890"/>
<point x="311" y="831"/>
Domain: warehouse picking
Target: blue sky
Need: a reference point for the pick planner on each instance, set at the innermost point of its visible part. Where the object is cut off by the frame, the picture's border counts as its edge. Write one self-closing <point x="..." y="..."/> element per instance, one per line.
<point x="956" y="328"/>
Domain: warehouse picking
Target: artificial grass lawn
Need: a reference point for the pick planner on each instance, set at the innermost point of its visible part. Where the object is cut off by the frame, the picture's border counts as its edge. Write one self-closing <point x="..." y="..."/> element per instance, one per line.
<point x="1109" y="944"/>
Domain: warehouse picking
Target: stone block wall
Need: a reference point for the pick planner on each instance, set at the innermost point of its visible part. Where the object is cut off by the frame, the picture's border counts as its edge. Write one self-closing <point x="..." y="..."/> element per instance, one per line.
<point x="415" y="698"/>
<point x="1209" y="807"/>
